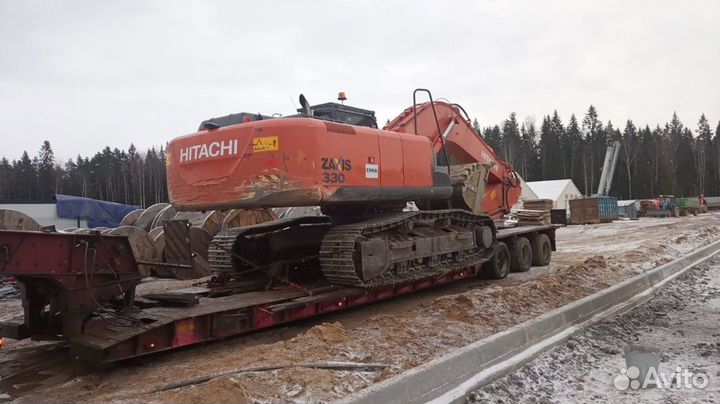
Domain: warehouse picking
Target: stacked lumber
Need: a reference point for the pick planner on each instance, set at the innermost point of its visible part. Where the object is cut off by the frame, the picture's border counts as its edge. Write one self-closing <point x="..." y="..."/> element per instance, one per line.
<point x="535" y="212"/>
<point x="533" y="217"/>
<point x="538" y="204"/>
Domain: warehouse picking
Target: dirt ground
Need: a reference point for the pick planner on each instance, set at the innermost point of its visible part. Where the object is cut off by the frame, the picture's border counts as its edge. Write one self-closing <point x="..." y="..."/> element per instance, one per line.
<point x="401" y="333"/>
<point x="681" y="322"/>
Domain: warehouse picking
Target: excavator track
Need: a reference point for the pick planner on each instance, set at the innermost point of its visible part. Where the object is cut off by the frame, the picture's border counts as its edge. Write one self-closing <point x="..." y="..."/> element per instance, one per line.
<point x="225" y="251"/>
<point x="342" y="261"/>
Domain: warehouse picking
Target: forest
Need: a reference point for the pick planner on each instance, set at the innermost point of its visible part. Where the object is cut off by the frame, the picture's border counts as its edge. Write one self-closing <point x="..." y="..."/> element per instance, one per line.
<point x="672" y="159"/>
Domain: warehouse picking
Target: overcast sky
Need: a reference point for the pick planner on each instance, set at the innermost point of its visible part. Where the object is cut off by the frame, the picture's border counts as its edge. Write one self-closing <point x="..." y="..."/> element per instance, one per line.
<point x="85" y="74"/>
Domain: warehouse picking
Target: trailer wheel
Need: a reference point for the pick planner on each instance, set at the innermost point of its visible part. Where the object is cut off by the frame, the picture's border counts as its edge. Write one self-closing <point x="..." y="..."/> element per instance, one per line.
<point x="522" y="256"/>
<point x="499" y="265"/>
<point x="541" y="250"/>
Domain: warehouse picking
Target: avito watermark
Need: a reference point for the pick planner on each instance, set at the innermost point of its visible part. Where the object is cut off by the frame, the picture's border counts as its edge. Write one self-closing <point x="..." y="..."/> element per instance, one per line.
<point x="680" y="379"/>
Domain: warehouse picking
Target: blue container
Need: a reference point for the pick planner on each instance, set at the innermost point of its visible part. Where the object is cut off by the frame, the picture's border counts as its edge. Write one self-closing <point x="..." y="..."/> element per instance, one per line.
<point x="608" y="208"/>
<point x="596" y="209"/>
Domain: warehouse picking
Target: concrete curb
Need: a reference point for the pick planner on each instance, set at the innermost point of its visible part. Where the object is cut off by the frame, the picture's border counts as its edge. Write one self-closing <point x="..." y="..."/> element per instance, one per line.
<point x="448" y="378"/>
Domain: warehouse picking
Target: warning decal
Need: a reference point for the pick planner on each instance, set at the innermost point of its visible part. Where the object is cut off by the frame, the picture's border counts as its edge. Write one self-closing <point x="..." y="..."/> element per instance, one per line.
<point x="265" y="144"/>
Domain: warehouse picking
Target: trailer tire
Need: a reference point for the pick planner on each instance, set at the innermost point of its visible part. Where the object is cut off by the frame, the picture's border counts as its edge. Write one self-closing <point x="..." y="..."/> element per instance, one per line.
<point x="541" y="250"/>
<point x="522" y="256"/>
<point x="498" y="266"/>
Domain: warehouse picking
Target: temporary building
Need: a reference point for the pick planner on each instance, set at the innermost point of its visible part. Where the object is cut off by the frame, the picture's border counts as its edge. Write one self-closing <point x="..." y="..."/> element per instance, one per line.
<point x="525" y="194"/>
<point x="559" y="191"/>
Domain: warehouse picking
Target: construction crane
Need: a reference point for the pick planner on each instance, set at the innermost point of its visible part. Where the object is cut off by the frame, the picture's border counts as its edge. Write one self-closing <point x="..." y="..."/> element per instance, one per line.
<point x="608" y="171"/>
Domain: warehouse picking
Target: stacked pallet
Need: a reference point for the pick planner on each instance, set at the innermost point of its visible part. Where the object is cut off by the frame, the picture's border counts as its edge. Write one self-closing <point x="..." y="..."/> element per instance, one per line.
<point x="593" y="210"/>
<point x="535" y="212"/>
<point x="533" y="217"/>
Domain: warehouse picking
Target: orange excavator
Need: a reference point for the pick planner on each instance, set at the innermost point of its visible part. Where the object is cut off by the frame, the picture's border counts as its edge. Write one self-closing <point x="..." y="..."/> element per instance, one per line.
<point x="334" y="156"/>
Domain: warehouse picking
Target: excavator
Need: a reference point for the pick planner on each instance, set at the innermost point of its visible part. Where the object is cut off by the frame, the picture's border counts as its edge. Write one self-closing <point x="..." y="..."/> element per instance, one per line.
<point x="334" y="156"/>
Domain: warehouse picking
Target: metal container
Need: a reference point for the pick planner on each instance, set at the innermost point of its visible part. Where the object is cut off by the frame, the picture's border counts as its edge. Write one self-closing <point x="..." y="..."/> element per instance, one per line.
<point x="712" y="202"/>
<point x="628" y="209"/>
<point x="558" y="216"/>
<point x="599" y="209"/>
<point x="688" y="202"/>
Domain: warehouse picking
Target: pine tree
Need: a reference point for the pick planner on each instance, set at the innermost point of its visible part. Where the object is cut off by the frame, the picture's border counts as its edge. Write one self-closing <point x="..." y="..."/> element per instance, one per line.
<point x="673" y="136"/>
<point x="550" y="153"/>
<point x="572" y="150"/>
<point x="134" y="162"/>
<point x="703" y="148"/>
<point x="529" y="167"/>
<point x="629" y="152"/>
<point x="594" y="152"/>
<point x="558" y="135"/>
<point x="644" y="184"/>
<point x="6" y="176"/>
<point x="511" y="141"/>
<point x="26" y="177"/>
<point x="46" y="171"/>
<point x="476" y="126"/>
<point x="493" y="137"/>
<point x="686" y="174"/>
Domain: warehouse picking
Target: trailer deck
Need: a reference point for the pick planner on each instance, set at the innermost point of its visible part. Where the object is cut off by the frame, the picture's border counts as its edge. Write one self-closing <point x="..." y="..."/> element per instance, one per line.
<point x="166" y="327"/>
<point x="173" y="319"/>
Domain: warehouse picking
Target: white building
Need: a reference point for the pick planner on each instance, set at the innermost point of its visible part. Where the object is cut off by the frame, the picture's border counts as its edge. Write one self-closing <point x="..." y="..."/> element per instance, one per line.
<point x="525" y="194"/>
<point x="559" y="191"/>
<point x="45" y="214"/>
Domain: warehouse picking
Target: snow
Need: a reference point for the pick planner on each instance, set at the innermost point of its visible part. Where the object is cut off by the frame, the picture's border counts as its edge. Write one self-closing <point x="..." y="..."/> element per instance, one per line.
<point x="627" y="202"/>
<point x="681" y="320"/>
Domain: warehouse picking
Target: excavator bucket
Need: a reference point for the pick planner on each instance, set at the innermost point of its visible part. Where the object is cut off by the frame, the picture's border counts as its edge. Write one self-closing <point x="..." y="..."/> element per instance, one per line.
<point x="469" y="181"/>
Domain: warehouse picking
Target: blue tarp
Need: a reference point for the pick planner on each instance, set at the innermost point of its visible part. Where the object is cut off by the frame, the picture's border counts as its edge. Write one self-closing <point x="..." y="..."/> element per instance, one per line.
<point x="97" y="213"/>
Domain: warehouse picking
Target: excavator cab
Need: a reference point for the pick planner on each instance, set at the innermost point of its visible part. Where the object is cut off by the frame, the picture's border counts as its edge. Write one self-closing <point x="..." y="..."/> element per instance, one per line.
<point x="329" y="111"/>
<point x="332" y="111"/>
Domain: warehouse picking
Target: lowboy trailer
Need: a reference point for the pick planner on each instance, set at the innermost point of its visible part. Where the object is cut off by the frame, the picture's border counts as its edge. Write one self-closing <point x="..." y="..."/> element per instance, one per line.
<point x="81" y="288"/>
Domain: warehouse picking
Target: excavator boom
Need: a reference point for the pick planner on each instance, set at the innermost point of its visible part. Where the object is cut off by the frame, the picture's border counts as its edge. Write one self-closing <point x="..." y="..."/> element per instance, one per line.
<point x="454" y="139"/>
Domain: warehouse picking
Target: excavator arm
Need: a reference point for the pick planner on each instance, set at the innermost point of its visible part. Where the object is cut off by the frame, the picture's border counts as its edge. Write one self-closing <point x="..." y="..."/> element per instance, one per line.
<point x="458" y="146"/>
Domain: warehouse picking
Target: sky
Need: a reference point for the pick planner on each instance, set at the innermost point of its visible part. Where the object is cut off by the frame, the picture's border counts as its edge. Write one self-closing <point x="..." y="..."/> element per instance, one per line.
<point x="86" y="74"/>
